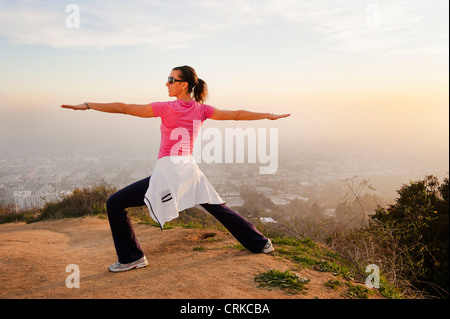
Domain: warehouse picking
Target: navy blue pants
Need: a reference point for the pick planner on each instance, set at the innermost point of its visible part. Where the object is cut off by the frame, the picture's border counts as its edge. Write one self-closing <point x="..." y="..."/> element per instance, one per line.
<point x="127" y="246"/>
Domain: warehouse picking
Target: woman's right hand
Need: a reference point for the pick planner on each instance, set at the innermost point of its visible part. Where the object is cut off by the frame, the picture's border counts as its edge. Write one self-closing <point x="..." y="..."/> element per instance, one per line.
<point x="78" y="107"/>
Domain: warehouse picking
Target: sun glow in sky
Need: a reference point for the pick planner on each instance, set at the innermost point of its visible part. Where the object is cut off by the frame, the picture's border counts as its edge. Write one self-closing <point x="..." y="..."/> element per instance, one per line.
<point x="369" y="72"/>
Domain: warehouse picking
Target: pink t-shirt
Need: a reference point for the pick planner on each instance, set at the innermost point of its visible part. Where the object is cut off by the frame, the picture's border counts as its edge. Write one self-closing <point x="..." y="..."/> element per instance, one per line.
<point x="180" y="125"/>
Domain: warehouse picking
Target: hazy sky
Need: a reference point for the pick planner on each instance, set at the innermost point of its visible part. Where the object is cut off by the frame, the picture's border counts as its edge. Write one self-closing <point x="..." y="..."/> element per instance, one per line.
<point x="350" y="71"/>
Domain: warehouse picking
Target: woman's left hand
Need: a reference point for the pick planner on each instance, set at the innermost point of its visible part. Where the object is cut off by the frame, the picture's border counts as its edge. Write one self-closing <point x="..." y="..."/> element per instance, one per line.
<point x="75" y="107"/>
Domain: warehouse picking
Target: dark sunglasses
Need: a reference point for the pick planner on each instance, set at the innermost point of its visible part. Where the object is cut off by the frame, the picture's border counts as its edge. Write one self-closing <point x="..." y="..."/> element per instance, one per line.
<point x="171" y="80"/>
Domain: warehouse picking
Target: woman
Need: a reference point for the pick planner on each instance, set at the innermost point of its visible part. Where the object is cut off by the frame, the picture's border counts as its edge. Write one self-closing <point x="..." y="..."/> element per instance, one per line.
<point x="176" y="182"/>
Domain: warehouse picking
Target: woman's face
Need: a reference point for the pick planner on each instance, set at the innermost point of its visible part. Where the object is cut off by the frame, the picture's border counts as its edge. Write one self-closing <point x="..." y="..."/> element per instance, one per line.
<point x="176" y="88"/>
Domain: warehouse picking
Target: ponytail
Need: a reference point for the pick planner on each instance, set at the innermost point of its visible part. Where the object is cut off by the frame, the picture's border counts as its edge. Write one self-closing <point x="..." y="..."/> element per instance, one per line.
<point x="200" y="91"/>
<point x="197" y="86"/>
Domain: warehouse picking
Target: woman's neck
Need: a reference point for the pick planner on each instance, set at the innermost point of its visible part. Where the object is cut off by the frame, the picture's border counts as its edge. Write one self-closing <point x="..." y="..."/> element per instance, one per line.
<point x="185" y="97"/>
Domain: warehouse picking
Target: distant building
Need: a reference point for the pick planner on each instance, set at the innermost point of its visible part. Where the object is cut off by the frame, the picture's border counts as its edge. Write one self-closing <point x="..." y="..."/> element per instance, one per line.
<point x="233" y="200"/>
<point x="266" y="220"/>
<point x="24" y="199"/>
<point x="285" y="199"/>
<point x="278" y="199"/>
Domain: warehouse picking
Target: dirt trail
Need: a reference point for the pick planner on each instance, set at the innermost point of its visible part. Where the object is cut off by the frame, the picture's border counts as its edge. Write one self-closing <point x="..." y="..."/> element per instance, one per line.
<point x="34" y="257"/>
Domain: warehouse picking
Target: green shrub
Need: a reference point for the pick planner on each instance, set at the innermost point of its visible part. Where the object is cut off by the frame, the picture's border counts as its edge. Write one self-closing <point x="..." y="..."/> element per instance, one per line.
<point x="408" y="242"/>
<point x="333" y="284"/>
<point x="8" y="214"/>
<point x="357" y="292"/>
<point x="88" y="201"/>
<point x="420" y="221"/>
<point x="286" y="281"/>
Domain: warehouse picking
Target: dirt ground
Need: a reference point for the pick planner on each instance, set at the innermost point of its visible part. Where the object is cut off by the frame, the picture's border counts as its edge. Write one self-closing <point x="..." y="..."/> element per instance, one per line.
<point x="34" y="257"/>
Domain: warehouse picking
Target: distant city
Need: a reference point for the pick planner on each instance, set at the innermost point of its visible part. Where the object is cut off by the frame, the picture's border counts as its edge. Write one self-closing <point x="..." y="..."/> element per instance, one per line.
<point x="314" y="176"/>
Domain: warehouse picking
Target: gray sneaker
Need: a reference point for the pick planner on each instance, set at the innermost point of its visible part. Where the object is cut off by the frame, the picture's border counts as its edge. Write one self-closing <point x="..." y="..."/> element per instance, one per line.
<point x="117" y="267"/>
<point x="268" y="248"/>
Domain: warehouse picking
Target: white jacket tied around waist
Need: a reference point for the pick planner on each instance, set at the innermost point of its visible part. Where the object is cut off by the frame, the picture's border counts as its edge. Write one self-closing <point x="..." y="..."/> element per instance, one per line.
<point x="177" y="183"/>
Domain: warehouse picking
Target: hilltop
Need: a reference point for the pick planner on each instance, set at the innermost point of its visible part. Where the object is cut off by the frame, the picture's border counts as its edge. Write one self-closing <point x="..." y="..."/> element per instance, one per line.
<point x="184" y="263"/>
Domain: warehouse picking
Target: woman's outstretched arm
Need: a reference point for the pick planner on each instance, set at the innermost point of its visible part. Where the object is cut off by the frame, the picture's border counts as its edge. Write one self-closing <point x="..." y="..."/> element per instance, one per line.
<point x="140" y="110"/>
<point x="242" y="115"/>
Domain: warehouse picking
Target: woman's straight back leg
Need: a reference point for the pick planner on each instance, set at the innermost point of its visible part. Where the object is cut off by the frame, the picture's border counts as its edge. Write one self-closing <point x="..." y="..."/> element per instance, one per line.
<point x="127" y="246"/>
